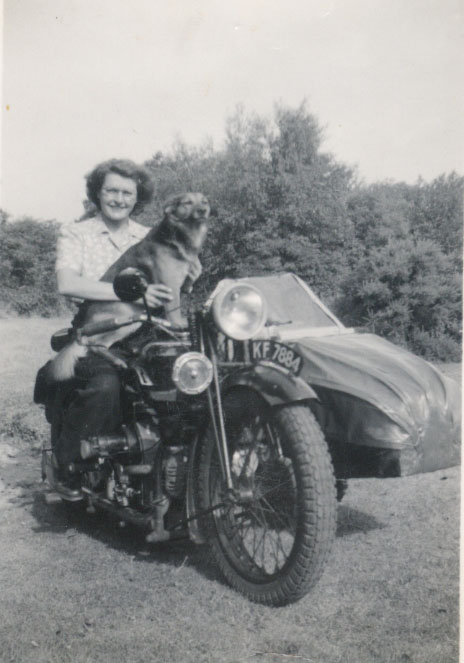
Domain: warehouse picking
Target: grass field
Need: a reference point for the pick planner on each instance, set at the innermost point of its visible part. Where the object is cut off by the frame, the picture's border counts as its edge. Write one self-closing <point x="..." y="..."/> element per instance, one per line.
<point x="78" y="589"/>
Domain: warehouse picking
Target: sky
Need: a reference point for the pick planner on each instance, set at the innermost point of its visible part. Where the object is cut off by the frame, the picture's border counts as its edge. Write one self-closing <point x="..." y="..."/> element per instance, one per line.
<point x="87" y="80"/>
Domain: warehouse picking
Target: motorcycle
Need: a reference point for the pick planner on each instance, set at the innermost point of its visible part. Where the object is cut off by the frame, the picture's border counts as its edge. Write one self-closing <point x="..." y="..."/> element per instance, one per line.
<point x="215" y="445"/>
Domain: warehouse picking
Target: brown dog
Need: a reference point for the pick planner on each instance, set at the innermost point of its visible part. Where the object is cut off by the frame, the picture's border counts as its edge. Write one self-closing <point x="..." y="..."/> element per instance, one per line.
<point x="168" y="254"/>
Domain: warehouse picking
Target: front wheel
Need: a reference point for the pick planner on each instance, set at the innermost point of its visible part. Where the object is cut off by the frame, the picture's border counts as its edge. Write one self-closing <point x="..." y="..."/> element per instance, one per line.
<point x="272" y="537"/>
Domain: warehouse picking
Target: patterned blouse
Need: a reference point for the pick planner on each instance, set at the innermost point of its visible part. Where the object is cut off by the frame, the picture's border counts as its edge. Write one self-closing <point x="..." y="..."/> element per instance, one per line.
<point x="89" y="248"/>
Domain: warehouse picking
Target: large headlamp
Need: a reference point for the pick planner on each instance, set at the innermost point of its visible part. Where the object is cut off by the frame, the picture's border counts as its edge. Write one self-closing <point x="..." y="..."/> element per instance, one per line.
<point x="192" y="373"/>
<point x="239" y="310"/>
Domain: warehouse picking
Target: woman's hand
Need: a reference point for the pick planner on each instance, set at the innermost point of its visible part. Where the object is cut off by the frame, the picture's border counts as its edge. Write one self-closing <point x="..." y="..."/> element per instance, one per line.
<point x="158" y="294"/>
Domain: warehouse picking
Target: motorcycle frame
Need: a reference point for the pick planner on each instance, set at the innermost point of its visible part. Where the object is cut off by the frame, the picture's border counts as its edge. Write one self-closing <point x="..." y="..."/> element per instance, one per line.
<point x="274" y="384"/>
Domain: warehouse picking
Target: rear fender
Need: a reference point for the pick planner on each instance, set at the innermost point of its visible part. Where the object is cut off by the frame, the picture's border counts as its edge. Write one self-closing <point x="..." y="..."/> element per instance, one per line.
<point x="274" y="385"/>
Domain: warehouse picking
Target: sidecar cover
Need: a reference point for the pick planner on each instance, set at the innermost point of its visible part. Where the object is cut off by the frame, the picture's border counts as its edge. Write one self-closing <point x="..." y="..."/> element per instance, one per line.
<point x="373" y="394"/>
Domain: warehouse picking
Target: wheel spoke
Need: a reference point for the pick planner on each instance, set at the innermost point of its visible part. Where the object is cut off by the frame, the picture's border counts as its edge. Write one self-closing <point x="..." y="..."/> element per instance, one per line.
<point x="275" y="513"/>
<point x="265" y="542"/>
<point x="264" y="529"/>
<point x="274" y="488"/>
<point x="263" y="561"/>
<point x="258" y="530"/>
<point x="276" y="554"/>
<point x="256" y="547"/>
<point x="280" y="545"/>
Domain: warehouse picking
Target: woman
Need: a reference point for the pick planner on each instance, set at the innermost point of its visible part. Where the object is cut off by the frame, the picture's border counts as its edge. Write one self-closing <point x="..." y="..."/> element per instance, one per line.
<point x="90" y="404"/>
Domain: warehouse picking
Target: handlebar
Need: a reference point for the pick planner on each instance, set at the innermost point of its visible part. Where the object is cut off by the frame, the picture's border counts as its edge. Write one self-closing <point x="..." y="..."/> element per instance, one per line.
<point x="111" y="324"/>
<point x="108" y="325"/>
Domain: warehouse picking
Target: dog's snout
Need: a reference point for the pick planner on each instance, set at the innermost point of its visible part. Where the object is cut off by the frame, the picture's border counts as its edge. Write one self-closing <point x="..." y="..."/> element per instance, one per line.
<point x="203" y="210"/>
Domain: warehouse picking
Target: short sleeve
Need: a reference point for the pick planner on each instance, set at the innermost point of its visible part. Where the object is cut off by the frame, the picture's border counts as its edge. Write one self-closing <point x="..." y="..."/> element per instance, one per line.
<point x="69" y="249"/>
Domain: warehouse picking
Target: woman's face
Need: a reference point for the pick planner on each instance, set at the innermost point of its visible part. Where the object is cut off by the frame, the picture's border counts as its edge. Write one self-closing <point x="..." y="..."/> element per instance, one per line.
<point x="117" y="198"/>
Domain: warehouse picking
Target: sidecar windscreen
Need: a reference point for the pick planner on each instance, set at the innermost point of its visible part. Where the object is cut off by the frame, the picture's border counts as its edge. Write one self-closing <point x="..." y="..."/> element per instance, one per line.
<point x="290" y="301"/>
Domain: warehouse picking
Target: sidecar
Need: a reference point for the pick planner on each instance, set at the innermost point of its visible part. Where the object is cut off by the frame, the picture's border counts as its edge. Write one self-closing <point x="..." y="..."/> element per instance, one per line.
<point x="384" y="411"/>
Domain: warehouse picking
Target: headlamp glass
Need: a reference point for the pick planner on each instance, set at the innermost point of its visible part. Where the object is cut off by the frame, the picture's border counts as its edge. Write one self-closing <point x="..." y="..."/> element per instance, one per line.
<point x="192" y="373"/>
<point x="240" y="311"/>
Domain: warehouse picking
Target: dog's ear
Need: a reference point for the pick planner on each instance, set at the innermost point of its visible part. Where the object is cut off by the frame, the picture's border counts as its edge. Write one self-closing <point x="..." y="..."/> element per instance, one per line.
<point x="171" y="204"/>
<point x="213" y="211"/>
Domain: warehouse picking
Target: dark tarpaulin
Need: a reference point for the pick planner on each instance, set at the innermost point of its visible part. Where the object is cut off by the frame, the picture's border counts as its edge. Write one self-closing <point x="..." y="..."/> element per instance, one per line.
<point x="386" y="397"/>
<point x="379" y="395"/>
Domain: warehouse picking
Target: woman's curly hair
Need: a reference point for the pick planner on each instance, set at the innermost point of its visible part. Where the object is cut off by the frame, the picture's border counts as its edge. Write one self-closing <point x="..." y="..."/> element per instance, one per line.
<point x="124" y="168"/>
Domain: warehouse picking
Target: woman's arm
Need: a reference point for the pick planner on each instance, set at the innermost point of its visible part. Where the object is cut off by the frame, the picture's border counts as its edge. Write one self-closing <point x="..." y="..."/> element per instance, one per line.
<point x="71" y="284"/>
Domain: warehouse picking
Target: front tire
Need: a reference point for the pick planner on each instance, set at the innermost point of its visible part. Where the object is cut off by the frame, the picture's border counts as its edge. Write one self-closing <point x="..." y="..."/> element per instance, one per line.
<point x="272" y="539"/>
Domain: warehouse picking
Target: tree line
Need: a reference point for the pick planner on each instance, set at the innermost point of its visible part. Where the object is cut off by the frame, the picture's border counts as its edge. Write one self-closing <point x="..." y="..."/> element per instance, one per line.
<point x="385" y="256"/>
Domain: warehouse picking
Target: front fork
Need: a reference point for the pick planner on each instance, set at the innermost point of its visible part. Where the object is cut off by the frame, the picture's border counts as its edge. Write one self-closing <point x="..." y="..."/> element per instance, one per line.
<point x="289" y="391"/>
<point x="217" y="420"/>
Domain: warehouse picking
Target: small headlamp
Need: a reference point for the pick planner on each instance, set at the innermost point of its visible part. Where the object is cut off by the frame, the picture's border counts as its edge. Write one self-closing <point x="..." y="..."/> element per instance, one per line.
<point x="192" y="373"/>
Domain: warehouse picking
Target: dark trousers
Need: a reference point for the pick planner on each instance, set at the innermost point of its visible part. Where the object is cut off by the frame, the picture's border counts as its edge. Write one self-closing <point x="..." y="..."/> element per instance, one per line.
<point x="86" y="406"/>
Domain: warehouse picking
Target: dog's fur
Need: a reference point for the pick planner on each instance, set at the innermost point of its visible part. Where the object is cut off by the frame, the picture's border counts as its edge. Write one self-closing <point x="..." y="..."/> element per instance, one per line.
<point x="165" y="255"/>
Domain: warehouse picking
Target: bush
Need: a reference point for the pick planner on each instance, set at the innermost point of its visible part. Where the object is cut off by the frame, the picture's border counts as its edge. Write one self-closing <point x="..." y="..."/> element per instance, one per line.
<point x="435" y="346"/>
<point x="27" y="268"/>
<point x="409" y="292"/>
<point x="387" y="256"/>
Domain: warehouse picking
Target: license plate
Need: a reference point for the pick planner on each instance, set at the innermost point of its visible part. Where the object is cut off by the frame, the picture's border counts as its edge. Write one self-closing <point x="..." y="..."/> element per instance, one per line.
<point x="277" y="353"/>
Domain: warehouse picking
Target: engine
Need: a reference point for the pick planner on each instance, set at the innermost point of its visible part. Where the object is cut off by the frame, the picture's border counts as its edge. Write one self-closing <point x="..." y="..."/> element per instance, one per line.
<point x="132" y="467"/>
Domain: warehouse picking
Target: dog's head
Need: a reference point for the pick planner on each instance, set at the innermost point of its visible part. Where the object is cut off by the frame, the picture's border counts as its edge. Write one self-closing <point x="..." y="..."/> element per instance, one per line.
<point x="188" y="207"/>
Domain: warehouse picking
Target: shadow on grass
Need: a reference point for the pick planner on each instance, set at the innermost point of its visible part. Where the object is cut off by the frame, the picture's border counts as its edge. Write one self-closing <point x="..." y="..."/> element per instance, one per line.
<point x="352" y="521"/>
<point x="101" y="526"/>
<point x="104" y="527"/>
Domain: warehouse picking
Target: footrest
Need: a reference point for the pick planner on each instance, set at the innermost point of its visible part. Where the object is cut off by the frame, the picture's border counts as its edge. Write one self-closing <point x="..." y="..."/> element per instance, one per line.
<point x="67" y="493"/>
<point x="52" y="498"/>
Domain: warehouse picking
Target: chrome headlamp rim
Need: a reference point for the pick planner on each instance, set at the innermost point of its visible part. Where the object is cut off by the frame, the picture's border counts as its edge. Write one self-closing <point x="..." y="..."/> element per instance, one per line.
<point x="224" y="296"/>
<point x="180" y="364"/>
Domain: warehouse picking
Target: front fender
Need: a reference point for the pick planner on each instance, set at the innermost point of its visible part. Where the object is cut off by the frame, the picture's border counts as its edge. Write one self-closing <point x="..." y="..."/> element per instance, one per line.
<point x="273" y="384"/>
